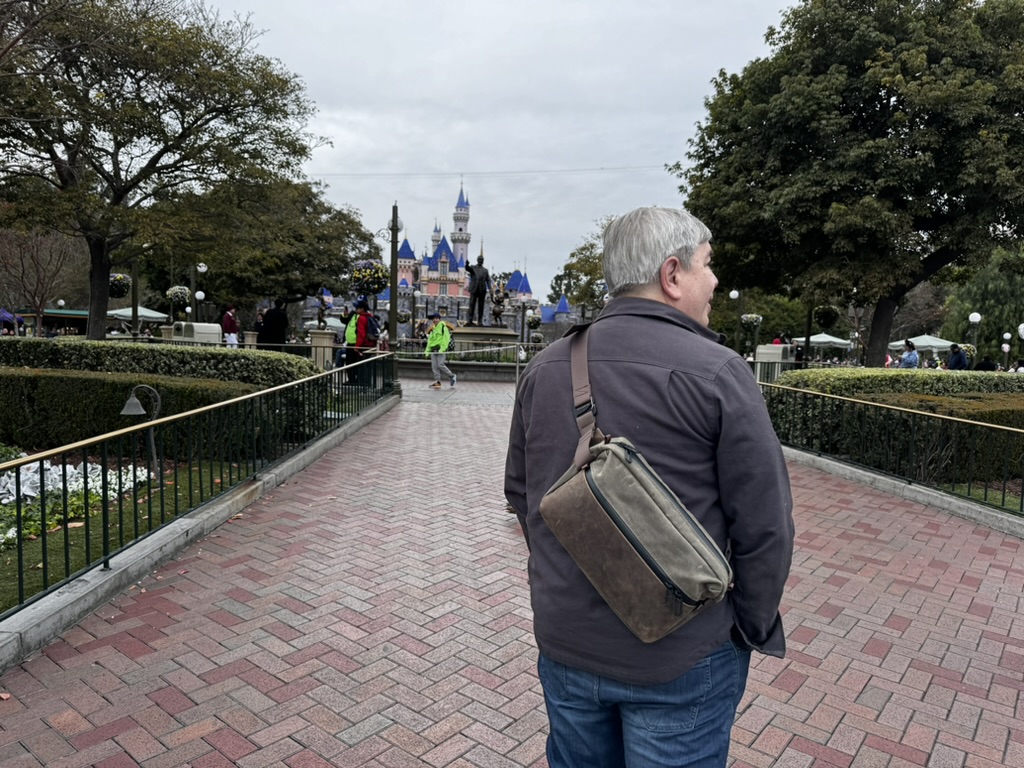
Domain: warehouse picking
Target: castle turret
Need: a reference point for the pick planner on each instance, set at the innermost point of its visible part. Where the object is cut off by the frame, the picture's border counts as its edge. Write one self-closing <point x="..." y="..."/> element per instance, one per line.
<point x="435" y="238"/>
<point x="460" y="235"/>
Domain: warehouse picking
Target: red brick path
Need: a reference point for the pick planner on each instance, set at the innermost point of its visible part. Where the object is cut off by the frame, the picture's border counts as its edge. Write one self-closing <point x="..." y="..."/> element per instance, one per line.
<point x="373" y="611"/>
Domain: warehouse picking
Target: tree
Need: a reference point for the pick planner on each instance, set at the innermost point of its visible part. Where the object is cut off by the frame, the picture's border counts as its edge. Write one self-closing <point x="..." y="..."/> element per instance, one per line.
<point x="880" y="144"/>
<point x="276" y="239"/>
<point x="995" y="293"/>
<point x="36" y="267"/>
<point x="152" y="97"/>
<point x="560" y="286"/>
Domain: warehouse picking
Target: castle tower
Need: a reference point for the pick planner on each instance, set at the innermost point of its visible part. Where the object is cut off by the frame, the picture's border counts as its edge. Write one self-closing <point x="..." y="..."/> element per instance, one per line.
<point x="435" y="238"/>
<point x="460" y="235"/>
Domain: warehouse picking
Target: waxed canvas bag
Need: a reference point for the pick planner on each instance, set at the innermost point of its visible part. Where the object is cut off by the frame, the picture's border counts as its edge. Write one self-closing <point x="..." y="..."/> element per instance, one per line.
<point x="650" y="560"/>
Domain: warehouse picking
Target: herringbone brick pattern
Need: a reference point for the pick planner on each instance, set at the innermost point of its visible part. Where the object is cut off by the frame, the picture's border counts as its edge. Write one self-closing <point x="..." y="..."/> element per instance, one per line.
<point x="374" y="611"/>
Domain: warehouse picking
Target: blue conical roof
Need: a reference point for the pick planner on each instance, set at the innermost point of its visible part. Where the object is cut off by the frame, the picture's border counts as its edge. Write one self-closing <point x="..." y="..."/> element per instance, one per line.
<point x="514" y="282"/>
<point x="463" y="200"/>
<point x="563" y="305"/>
<point x="524" y="285"/>
<point x="406" y="251"/>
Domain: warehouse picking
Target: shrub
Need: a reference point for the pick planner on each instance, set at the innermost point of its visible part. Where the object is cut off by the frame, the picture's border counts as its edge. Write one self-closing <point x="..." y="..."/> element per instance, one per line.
<point x="852" y="382"/>
<point x="260" y="369"/>
<point x="38" y="411"/>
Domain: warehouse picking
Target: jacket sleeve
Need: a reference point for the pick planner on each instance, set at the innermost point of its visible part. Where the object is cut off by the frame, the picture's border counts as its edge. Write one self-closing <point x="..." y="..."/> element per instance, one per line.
<point x="758" y="507"/>
<point x="515" y="469"/>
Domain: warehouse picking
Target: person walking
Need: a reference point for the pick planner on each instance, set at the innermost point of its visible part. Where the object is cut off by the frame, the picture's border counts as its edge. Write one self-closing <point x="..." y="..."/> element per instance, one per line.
<point x="439" y="336"/>
<point x="229" y="323"/>
<point x="691" y="405"/>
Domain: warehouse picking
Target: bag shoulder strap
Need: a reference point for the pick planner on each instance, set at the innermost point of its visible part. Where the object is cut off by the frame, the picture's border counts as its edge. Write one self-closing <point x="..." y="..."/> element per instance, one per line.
<point x="584" y="408"/>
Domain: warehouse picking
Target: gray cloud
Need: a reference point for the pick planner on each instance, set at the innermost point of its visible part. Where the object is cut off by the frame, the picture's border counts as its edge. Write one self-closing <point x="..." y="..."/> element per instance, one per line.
<point x="431" y="92"/>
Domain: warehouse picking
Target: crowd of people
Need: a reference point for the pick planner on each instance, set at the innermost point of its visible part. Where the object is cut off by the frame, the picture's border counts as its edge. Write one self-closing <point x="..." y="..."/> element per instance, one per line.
<point x="957" y="360"/>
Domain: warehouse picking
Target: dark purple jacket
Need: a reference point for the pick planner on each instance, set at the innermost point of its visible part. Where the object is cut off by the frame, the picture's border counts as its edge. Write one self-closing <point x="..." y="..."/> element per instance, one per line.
<point x="692" y="407"/>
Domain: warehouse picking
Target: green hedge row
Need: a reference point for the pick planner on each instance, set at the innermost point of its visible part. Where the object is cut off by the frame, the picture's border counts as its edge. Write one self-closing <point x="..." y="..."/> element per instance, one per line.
<point x="43" y="409"/>
<point x="907" y="443"/>
<point x="258" y="368"/>
<point x="853" y="382"/>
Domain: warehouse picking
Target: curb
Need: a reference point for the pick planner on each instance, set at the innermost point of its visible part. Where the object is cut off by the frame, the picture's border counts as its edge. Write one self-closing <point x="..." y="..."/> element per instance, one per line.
<point x="34" y="626"/>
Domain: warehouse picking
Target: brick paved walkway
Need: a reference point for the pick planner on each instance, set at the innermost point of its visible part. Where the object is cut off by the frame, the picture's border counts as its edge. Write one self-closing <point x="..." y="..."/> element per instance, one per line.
<point x="352" y="618"/>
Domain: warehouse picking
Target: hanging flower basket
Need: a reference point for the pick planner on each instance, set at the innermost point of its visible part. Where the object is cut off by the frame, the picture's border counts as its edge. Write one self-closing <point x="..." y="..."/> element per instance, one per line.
<point x="404" y="317"/>
<point x="536" y="338"/>
<point x="751" y="322"/>
<point x="179" y="294"/>
<point x="370" y="277"/>
<point x="970" y="350"/>
<point x="533" y="321"/>
<point x="120" y="286"/>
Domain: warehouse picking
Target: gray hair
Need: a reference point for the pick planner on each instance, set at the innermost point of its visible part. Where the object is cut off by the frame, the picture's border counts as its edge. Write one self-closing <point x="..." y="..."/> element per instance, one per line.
<point x="638" y="243"/>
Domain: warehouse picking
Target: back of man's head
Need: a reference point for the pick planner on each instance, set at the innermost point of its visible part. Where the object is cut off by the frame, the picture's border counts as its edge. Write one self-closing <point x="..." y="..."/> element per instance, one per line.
<point x="638" y="243"/>
<point x="278" y="303"/>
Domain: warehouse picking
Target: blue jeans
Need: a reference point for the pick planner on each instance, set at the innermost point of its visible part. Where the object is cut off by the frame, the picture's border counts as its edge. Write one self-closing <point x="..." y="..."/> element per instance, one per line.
<point x="601" y="723"/>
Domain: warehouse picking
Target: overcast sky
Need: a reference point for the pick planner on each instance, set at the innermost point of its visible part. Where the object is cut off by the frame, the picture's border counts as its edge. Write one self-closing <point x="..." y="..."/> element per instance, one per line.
<point x="520" y="99"/>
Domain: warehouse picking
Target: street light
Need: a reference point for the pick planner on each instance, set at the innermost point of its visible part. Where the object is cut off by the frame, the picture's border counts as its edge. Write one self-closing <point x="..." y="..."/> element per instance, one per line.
<point x="132" y="407"/>
<point x="734" y="295"/>
<point x="974" y="319"/>
<point x="201" y="269"/>
<point x="1006" y="349"/>
<point x="199" y="297"/>
<point x="60" y="305"/>
<point x="395" y="226"/>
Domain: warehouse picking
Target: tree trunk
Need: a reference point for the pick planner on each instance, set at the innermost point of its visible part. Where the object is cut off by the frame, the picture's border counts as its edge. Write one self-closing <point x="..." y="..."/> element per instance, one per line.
<point x="881" y="327"/>
<point x="99" y="287"/>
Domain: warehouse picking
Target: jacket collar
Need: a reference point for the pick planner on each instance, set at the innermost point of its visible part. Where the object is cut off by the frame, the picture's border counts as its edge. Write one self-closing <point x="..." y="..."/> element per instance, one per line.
<point x="637" y="307"/>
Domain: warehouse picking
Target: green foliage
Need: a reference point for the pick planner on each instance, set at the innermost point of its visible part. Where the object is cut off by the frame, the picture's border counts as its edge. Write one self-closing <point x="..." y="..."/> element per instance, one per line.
<point x="36" y="411"/>
<point x="996" y="292"/>
<point x="878" y="144"/>
<point x="150" y="97"/>
<point x="277" y="238"/>
<point x="584" y="273"/>
<point x="259" y="369"/>
<point x="858" y="382"/>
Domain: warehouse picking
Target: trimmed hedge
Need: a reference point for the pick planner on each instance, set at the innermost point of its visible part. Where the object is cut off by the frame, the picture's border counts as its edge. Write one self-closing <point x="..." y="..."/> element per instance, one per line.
<point x="907" y="443"/>
<point x="853" y="382"/>
<point x="42" y="409"/>
<point x="258" y="368"/>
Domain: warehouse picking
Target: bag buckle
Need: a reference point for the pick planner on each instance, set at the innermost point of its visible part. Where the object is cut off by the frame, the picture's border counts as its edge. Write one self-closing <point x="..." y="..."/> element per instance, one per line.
<point x="579" y="410"/>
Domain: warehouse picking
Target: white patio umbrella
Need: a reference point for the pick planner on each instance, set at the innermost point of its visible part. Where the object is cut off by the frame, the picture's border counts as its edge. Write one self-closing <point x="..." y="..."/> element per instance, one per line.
<point x="824" y="340"/>
<point x="145" y="315"/>
<point x="925" y="343"/>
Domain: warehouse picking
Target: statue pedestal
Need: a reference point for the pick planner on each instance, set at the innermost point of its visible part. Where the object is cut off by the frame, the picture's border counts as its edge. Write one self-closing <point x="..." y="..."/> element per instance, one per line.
<point x="323" y="347"/>
<point x="469" y="338"/>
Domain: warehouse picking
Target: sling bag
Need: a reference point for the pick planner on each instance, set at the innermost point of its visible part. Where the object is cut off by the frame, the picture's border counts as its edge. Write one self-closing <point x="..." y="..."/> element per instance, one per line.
<point x="650" y="560"/>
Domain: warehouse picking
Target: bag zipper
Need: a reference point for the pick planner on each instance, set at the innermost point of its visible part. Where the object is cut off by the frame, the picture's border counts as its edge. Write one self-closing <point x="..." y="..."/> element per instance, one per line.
<point x="684" y="513"/>
<point x="673" y="590"/>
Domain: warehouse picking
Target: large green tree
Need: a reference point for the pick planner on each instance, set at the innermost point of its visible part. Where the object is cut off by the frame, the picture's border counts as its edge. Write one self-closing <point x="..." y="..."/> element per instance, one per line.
<point x="879" y="144"/>
<point x="149" y="98"/>
<point x="275" y="239"/>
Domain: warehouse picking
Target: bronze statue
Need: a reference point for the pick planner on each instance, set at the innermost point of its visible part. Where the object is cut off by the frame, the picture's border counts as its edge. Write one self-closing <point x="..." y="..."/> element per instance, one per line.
<point x="498" y="306"/>
<point x="479" y="287"/>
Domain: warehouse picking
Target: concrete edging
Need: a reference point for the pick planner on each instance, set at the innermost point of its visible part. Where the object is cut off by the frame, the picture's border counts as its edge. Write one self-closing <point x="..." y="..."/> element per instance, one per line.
<point x="33" y="627"/>
<point x="969" y="510"/>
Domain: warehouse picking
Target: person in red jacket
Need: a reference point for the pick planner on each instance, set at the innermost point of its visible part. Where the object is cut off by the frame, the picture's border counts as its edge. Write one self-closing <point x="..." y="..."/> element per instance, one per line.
<point x="356" y="343"/>
<point x="230" y="325"/>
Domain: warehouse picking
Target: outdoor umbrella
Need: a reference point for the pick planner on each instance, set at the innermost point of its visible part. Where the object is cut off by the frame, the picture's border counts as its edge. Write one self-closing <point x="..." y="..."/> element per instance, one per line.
<point x="824" y="340"/>
<point x="925" y="343"/>
<point x="145" y="315"/>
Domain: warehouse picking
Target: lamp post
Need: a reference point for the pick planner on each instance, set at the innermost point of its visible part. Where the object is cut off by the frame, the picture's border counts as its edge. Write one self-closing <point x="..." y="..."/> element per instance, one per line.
<point x="200" y="297"/>
<point x="1006" y="349"/>
<point x="975" y="320"/>
<point x="132" y="407"/>
<point x="412" y="315"/>
<point x="736" y="295"/>
<point x="201" y="269"/>
<point x="60" y="305"/>
<point x="395" y="226"/>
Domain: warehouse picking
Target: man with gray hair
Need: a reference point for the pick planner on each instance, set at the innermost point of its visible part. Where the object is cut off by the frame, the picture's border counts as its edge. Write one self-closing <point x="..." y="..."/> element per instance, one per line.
<point x="690" y="404"/>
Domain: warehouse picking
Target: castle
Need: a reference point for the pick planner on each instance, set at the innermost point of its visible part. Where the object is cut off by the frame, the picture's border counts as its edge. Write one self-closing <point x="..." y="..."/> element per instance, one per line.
<point x="440" y="275"/>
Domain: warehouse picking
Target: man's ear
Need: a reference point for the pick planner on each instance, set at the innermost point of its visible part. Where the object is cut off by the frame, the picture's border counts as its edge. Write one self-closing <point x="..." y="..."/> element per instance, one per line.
<point x="672" y="275"/>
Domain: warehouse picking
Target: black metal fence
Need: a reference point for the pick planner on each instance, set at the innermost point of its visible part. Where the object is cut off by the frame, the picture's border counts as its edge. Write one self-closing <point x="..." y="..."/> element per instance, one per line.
<point x="69" y="510"/>
<point x="980" y="462"/>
